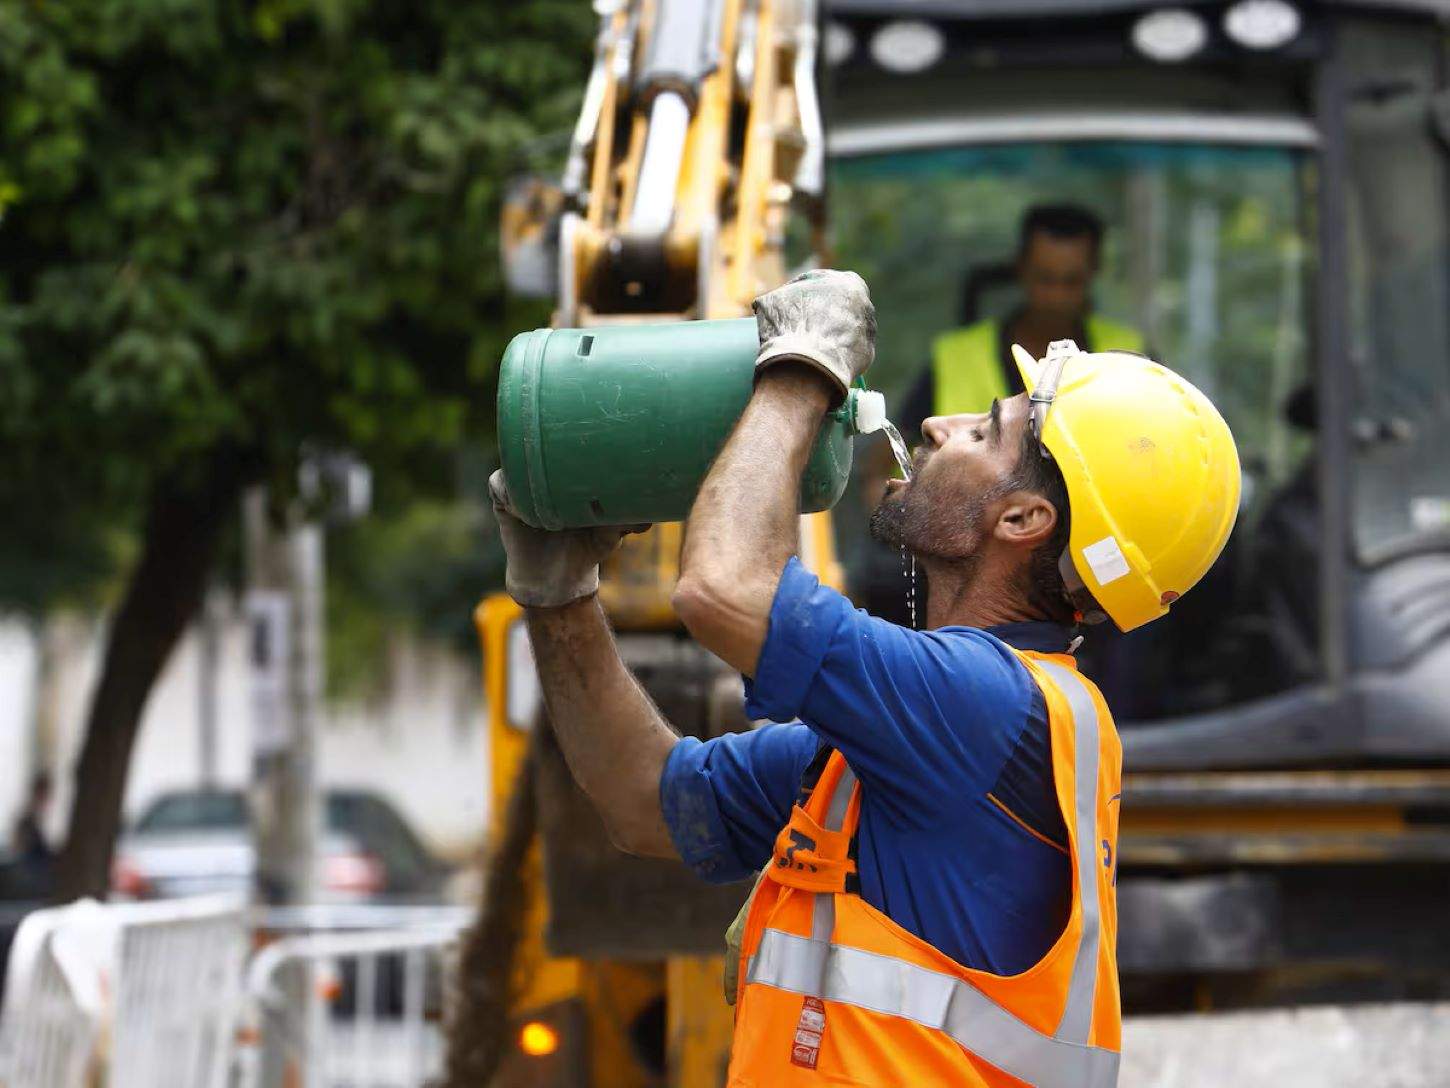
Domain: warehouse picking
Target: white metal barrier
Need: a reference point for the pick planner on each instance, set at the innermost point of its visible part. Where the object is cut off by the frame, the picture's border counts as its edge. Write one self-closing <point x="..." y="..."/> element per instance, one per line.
<point x="146" y="993"/>
<point x="46" y="1036"/>
<point x="151" y="995"/>
<point x="373" y="984"/>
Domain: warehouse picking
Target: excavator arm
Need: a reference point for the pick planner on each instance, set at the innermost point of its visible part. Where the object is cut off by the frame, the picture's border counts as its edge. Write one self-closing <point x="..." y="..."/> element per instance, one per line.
<point x="700" y="131"/>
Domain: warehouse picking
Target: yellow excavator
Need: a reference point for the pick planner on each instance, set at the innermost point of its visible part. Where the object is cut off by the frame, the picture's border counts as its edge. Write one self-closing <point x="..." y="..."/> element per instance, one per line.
<point x="699" y="146"/>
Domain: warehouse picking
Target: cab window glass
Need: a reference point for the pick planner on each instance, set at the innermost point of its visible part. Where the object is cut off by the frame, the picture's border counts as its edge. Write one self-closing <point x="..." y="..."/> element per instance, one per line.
<point x="1206" y="253"/>
<point x="1399" y="280"/>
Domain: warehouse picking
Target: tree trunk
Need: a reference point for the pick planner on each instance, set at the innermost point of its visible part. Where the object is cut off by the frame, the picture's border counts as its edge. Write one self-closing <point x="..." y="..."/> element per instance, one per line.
<point x="184" y="522"/>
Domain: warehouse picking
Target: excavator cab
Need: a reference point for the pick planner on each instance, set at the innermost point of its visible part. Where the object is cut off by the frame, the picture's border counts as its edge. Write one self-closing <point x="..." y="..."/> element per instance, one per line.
<point x="1274" y="180"/>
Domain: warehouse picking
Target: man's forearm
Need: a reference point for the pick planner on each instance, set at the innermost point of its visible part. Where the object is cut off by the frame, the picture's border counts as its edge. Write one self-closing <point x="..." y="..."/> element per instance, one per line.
<point x="612" y="735"/>
<point x="745" y="522"/>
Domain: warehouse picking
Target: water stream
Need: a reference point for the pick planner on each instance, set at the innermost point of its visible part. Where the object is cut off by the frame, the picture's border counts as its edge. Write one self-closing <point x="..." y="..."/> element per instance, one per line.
<point x="903" y="461"/>
<point x="898" y="448"/>
<point x="908" y="561"/>
<point x="908" y="571"/>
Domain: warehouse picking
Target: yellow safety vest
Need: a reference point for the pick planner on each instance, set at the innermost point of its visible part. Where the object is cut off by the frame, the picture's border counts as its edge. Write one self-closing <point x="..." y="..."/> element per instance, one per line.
<point x="968" y="369"/>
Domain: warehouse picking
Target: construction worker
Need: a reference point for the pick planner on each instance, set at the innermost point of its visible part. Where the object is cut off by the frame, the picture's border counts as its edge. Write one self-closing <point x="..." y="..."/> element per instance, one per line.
<point x="1059" y="251"/>
<point x="935" y="818"/>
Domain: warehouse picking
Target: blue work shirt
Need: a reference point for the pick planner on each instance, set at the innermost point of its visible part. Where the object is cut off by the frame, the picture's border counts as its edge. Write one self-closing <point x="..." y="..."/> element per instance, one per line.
<point x="961" y="839"/>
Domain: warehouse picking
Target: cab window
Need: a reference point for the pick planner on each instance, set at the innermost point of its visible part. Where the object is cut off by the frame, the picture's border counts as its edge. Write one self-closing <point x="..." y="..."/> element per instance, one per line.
<point x="1206" y="252"/>
<point x="1399" y="284"/>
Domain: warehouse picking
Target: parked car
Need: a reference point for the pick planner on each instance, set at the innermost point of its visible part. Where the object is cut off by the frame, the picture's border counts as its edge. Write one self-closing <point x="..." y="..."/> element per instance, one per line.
<point x="195" y="842"/>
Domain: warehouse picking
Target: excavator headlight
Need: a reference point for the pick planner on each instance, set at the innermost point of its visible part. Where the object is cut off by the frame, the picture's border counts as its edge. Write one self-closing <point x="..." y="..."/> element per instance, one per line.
<point x="1169" y="35"/>
<point x="1262" y="24"/>
<point x="908" y="45"/>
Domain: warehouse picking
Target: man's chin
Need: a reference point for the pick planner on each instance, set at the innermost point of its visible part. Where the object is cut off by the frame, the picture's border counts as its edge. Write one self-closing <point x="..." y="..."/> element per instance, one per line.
<point x="887" y="523"/>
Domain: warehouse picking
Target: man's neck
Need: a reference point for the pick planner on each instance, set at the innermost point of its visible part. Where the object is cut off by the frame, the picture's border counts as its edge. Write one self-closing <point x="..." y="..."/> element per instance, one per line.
<point x="977" y="594"/>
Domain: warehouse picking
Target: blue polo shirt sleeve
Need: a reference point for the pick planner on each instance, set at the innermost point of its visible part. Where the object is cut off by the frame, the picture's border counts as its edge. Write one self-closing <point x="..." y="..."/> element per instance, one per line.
<point x="926" y="718"/>
<point x="725" y="799"/>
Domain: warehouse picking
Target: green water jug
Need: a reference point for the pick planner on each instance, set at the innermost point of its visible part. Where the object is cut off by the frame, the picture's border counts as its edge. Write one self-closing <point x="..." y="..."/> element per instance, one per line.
<point x="617" y="425"/>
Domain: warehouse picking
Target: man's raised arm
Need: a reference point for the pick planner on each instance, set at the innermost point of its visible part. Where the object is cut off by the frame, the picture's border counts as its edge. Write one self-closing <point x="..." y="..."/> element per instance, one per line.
<point x="612" y="735"/>
<point x="817" y="335"/>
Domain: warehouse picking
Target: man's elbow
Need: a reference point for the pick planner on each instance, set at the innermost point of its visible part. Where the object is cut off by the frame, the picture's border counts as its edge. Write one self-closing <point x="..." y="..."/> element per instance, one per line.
<point x="626" y="841"/>
<point x="726" y="615"/>
<point x="701" y="602"/>
<point x="640" y="838"/>
<point x="623" y="837"/>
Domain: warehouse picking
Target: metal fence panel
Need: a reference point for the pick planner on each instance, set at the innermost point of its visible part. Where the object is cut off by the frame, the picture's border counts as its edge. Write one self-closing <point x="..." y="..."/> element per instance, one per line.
<point x="374" y="995"/>
<point x="149" y="993"/>
<point x="178" y="994"/>
<point x="46" y="1037"/>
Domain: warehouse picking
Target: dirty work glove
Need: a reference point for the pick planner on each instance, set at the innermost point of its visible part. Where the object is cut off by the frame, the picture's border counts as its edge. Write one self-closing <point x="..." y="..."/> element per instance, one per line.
<point x="547" y="569"/>
<point x="824" y="318"/>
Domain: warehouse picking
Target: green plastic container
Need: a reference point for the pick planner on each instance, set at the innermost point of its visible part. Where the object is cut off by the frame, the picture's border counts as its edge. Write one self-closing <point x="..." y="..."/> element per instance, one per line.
<point x="617" y="425"/>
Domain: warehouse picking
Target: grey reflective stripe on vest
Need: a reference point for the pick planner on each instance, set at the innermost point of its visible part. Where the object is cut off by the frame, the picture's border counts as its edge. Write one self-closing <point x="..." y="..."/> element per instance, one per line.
<point x="840" y="800"/>
<point x="895" y="987"/>
<point x="1077" y="1015"/>
<point x="823" y="910"/>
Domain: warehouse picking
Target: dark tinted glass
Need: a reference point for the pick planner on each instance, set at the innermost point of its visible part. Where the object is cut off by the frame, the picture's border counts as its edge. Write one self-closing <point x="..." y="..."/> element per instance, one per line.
<point x="1399" y="279"/>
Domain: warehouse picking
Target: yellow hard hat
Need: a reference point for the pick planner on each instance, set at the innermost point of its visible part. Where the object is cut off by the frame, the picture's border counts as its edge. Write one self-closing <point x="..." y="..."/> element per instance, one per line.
<point x="1151" y="469"/>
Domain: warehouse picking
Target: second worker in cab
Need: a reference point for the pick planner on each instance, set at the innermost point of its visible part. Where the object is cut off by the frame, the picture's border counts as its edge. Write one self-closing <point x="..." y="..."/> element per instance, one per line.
<point x="1059" y="250"/>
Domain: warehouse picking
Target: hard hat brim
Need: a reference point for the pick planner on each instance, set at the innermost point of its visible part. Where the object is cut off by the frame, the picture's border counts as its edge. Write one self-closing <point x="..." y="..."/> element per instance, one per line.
<point x="1027" y="366"/>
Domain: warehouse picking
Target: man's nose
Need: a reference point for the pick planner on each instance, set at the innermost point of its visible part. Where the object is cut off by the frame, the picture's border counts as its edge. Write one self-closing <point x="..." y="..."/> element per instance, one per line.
<point x="938" y="430"/>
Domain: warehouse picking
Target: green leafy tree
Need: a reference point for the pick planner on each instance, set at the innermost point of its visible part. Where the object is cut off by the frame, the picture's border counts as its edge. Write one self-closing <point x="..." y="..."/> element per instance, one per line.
<point x="230" y="229"/>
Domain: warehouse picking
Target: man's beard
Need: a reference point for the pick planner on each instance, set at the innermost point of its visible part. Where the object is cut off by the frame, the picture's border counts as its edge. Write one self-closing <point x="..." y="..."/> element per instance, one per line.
<point x="894" y="521"/>
<point x="912" y="521"/>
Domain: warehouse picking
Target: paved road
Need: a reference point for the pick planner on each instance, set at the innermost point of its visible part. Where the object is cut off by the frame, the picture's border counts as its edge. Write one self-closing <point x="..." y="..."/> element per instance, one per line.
<point x="1367" y="1046"/>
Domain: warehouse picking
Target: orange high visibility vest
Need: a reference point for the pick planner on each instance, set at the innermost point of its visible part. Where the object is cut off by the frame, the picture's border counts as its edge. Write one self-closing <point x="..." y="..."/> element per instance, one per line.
<point x="832" y="991"/>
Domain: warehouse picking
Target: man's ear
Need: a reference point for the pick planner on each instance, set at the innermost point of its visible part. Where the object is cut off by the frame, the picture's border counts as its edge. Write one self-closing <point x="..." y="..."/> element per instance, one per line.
<point x="1027" y="520"/>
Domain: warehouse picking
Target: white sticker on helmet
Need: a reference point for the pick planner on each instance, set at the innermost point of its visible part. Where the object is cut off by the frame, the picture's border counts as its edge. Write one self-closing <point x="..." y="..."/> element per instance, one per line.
<point x="1106" y="560"/>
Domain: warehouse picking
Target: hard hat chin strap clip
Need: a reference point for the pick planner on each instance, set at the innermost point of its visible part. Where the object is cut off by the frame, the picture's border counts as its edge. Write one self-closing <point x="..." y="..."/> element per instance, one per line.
<point x="1044" y="390"/>
<point x="1088" y="609"/>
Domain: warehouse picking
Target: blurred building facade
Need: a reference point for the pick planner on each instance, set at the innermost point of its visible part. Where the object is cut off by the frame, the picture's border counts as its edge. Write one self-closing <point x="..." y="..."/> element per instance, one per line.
<point x="419" y="742"/>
